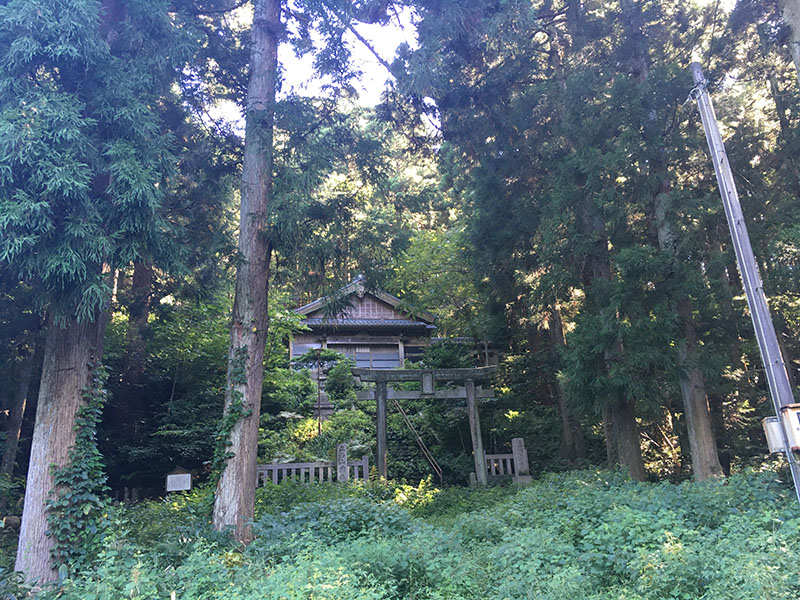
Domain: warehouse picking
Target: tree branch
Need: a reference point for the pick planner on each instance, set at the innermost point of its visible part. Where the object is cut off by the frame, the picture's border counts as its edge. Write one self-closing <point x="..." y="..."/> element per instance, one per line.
<point x="368" y="46"/>
<point x="211" y="11"/>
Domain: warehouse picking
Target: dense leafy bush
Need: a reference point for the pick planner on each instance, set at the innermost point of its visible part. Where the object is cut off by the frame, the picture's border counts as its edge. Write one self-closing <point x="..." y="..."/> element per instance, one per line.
<point x="313" y="525"/>
<point x="589" y="535"/>
<point x="289" y="494"/>
<point x="165" y="531"/>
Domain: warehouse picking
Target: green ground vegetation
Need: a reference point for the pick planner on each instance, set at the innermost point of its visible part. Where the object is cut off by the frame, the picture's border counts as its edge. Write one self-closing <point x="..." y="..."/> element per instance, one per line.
<point x="585" y="534"/>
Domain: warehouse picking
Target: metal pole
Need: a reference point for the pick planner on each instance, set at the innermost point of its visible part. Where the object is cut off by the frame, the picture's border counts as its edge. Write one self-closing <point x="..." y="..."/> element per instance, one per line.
<point x="780" y="389"/>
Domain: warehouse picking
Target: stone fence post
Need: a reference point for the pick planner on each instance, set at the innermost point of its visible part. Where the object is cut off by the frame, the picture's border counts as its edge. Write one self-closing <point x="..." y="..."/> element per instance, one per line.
<point x="342" y="470"/>
<point x="522" y="472"/>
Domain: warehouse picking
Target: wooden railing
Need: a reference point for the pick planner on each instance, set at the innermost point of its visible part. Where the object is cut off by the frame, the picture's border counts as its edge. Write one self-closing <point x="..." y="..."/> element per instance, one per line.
<point x="498" y="465"/>
<point x="315" y="472"/>
<point x="514" y="465"/>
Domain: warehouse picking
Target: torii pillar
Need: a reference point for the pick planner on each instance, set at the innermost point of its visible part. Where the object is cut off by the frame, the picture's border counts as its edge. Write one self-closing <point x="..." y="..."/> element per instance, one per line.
<point x="427" y="380"/>
<point x="475" y="433"/>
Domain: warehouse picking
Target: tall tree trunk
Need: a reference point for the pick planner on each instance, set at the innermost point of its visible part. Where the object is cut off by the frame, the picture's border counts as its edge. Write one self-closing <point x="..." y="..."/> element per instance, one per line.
<point x="727" y="286"/>
<point x="629" y="449"/>
<point x="705" y="461"/>
<point x="619" y="418"/>
<point x="786" y="134"/>
<point x="702" y="442"/>
<point x="126" y="410"/>
<point x="65" y="373"/>
<point x="571" y="433"/>
<point x="138" y="313"/>
<point x="235" y="496"/>
<point x="610" y="436"/>
<point x="786" y="131"/>
<point x="17" y="409"/>
<point x="791" y="16"/>
<point x="783" y="335"/>
<point x="623" y="444"/>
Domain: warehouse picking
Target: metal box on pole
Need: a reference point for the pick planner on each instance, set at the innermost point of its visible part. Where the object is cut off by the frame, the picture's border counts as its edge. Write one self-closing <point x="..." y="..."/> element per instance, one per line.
<point x="772" y="429"/>
<point x="790" y="415"/>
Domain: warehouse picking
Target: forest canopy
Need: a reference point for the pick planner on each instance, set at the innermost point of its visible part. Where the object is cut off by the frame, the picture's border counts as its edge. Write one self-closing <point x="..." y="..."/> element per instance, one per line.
<point x="535" y="175"/>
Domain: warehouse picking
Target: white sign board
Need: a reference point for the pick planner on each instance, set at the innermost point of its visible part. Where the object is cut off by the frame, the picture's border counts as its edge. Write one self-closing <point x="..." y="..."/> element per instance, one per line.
<point x="179" y="483"/>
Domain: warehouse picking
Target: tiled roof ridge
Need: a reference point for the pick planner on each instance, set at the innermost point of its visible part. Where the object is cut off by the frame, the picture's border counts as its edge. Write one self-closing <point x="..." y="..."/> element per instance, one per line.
<point x="364" y="322"/>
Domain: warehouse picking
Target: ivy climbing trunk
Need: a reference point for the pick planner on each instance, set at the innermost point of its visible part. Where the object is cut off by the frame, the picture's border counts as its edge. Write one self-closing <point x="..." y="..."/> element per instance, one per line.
<point x="65" y="373"/>
<point x="237" y="453"/>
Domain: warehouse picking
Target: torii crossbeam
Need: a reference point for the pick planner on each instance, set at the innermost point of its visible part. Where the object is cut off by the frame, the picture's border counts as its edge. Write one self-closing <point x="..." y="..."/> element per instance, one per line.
<point x="427" y="380"/>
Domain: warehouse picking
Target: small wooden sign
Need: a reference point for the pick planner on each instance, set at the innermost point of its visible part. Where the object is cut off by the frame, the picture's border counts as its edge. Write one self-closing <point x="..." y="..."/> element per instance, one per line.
<point x="179" y="480"/>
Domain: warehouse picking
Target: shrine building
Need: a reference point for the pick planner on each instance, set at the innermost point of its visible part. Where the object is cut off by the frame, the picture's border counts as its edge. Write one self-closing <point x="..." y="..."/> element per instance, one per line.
<point x="371" y="327"/>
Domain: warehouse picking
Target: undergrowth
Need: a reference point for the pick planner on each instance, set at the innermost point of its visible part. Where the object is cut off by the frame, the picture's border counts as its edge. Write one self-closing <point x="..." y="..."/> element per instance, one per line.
<point x="592" y="535"/>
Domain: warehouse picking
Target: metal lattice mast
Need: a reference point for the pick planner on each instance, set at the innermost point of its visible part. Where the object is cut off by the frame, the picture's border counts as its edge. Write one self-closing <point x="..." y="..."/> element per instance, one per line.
<point x="780" y="390"/>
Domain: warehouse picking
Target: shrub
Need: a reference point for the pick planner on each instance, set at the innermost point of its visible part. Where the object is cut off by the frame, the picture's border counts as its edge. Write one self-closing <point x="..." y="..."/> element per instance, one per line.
<point x="324" y="523"/>
<point x="589" y="535"/>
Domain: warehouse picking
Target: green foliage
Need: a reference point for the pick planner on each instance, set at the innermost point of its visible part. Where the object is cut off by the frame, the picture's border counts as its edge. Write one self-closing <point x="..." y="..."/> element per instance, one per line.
<point x="339" y="383"/>
<point x="335" y="366"/>
<point x="581" y="185"/>
<point x="413" y="497"/>
<point x="274" y="499"/>
<point x="434" y="273"/>
<point x="447" y="355"/>
<point x="451" y="503"/>
<point x="76" y="515"/>
<point x="306" y="439"/>
<point x="289" y="534"/>
<point x="167" y="529"/>
<point x="84" y="157"/>
<point x="287" y="391"/>
<point x="564" y="163"/>
<point x="593" y="535"/>
<point x="181" y="392"/>
<point x="12" y="490"/>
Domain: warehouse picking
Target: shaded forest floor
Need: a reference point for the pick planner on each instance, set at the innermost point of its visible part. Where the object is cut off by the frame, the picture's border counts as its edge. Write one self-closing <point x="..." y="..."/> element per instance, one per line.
<point x="591" y="535"/>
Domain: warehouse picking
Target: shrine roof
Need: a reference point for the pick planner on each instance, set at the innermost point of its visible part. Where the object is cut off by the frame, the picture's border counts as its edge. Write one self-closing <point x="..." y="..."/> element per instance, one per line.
<point x="366" y="323"/>
<point x="366" y="311"/>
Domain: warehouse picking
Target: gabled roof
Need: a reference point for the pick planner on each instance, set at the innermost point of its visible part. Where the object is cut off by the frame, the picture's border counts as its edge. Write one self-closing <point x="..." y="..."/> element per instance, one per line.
<point x="357" y="287"/>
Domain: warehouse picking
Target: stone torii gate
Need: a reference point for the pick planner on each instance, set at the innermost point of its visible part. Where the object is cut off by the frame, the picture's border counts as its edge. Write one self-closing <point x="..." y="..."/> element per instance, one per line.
<point x="427" y="380"/>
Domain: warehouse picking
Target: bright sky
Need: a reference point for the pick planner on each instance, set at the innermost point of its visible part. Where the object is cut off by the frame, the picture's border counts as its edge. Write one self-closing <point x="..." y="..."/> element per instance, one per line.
<point x="384" y="39"/>
<point x="299" y="73"/>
